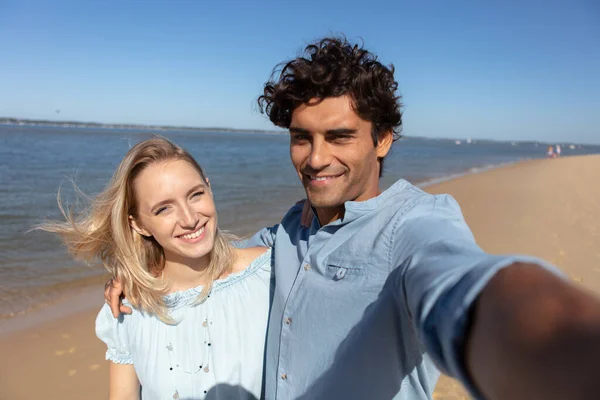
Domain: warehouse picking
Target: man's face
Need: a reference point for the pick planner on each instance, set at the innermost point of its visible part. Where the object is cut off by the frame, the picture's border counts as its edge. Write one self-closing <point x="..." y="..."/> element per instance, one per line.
<point x="332" y="150"/>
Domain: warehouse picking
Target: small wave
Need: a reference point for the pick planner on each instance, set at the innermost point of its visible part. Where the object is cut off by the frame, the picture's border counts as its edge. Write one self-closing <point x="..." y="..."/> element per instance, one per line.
<point x="16" y="302"/>
<point x="470" y="171"/>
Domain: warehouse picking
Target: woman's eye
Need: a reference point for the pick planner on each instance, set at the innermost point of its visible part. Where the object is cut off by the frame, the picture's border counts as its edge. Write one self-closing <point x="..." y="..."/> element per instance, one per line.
<point x="197" y="194"/>
<point x="160" y="210"/>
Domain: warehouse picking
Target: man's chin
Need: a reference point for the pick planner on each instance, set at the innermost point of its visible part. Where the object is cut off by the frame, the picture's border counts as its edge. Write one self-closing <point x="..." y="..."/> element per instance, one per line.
<point x="320" y="202"/>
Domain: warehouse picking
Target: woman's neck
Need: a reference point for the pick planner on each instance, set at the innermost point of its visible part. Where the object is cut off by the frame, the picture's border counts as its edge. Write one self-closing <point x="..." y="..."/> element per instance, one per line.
<point x="185" y="274"/>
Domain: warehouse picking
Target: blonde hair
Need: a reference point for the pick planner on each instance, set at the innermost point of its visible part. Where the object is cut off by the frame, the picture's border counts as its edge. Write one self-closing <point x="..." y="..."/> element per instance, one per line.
<point x="102" y="231"/>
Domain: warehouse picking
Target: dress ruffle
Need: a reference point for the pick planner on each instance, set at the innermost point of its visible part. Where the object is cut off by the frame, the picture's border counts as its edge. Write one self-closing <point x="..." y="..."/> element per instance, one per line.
<point x="189" y="296"/>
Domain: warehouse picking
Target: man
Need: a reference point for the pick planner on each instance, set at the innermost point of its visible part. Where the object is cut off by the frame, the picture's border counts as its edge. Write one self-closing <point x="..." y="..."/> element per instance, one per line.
<point x="378" y="287"/>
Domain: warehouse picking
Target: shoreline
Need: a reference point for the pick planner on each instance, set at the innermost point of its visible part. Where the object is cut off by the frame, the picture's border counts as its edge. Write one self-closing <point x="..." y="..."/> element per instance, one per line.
<point x="471" y="171"/>
<point x="74" y="301"/>
<point x="16" y="122"/>
<point x="19" y="123"/>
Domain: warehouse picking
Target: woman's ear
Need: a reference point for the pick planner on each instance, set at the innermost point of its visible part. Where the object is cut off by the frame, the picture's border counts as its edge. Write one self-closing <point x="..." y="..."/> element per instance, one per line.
<point x="207" y="181"/>
<point x="138" y="228"/>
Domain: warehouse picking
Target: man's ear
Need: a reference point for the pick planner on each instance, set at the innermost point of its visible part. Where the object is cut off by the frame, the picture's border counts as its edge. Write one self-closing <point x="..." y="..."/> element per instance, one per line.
<point x="384" y="143"/>
<point x="138" y="228"/>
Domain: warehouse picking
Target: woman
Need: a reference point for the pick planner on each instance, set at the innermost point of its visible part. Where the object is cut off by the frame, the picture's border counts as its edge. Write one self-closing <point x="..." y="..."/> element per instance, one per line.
<point x="200" y="306"/>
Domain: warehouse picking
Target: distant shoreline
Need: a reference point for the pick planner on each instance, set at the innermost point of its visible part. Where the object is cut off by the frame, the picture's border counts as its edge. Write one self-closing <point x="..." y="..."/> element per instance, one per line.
<point x="7" y="121"/>
<point x="78" y="124"/>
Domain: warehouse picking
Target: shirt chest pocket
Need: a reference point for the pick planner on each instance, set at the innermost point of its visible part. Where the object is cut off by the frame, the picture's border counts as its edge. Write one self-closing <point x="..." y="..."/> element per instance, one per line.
<point x="341" y="270"/>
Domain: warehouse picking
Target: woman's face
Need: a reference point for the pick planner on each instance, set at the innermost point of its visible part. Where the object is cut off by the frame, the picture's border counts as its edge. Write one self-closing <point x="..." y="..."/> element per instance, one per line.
<point x="176" y="207"/>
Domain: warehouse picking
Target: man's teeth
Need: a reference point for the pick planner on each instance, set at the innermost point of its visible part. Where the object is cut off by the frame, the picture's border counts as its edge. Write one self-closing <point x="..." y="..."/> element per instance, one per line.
<point x="194" y="235"/>
<point x="322" y="178"/>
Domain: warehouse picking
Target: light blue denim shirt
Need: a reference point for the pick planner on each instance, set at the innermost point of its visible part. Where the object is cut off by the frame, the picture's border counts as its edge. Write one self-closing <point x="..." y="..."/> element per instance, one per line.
<point x="364" y="306"/>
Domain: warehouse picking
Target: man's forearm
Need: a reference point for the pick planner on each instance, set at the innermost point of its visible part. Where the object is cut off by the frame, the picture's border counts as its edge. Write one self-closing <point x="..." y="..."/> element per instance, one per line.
<point x="534" y="336"/>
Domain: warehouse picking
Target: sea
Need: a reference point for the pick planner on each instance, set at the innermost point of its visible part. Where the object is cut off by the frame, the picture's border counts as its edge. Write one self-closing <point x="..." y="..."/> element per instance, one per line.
<point x="251" y="175"/>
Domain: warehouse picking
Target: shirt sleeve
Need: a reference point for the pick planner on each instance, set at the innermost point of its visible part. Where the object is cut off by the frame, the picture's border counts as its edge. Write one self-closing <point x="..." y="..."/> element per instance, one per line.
<point x="444" y="270"/>
<point x="265" y="237"/>
<point x="112" y="331"/>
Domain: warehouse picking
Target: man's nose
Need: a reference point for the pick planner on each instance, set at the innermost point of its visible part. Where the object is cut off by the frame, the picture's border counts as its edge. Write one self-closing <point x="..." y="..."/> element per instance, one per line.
<point x="320" y="155"/>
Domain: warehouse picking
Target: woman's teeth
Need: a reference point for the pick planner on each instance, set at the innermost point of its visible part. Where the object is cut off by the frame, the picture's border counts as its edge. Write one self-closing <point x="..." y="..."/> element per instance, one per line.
<point x="194" y="235"/>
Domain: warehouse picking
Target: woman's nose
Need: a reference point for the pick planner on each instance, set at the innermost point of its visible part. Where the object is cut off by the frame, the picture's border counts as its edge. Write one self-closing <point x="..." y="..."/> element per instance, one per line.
<point x="188" y="218"/>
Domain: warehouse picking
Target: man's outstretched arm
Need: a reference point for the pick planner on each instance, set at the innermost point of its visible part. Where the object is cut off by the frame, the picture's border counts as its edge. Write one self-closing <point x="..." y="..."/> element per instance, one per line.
<point x="509" y="327"/>
<point x="534" y="335"/>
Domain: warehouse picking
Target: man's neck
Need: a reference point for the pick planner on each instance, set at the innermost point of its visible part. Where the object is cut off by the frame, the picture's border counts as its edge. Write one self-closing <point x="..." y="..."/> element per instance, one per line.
<point x="328" y="215"/>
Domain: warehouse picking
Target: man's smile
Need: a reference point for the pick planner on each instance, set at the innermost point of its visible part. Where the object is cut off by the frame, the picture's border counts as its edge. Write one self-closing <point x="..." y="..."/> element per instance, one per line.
<point x="320" y="180"/>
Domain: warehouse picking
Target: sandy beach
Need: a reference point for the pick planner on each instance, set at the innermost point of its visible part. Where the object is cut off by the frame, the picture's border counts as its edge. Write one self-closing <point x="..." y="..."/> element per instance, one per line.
<point x="546" y="208"/>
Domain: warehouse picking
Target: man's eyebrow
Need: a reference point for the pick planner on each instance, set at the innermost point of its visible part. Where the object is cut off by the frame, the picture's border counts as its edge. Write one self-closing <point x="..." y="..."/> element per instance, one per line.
<point x="340" y="131"/>
<point x="335" y="131"/>
<point x="295" y="129"/>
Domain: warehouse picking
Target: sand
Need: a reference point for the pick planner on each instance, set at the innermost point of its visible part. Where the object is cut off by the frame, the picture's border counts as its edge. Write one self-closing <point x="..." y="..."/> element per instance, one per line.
<point x="546" y="208"/>
<point x="54" y="353"/>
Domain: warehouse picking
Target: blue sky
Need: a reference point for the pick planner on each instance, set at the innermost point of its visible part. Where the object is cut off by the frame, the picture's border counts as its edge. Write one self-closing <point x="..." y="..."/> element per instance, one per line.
<point x="514" y="70"/>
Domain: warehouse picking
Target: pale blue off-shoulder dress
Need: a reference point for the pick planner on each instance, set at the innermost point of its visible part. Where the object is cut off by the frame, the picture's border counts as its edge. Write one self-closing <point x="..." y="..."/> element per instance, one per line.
<point x="216" y="349"/>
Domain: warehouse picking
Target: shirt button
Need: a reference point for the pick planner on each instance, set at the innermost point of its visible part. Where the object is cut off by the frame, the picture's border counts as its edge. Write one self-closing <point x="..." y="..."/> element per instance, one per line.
<point x="284" y="376"/>
<point x="288" y="321"/>
<point x="306" y="267"/>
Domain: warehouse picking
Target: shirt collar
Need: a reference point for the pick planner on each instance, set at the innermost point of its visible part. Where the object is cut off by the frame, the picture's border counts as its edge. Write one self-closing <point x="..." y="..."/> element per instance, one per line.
<point x="356" y="209"/>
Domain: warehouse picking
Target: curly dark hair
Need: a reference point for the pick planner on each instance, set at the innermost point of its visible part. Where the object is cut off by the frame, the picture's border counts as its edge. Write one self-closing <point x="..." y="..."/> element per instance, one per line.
<point x="332" y="67"/>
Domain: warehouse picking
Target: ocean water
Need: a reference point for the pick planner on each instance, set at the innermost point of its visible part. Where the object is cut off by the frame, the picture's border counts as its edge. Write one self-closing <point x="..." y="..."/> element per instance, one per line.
<point x="252" y="178"/>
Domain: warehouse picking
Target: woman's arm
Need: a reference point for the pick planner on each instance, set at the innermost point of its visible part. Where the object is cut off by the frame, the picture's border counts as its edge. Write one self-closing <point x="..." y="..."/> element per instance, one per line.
<point x="123" y="382"/>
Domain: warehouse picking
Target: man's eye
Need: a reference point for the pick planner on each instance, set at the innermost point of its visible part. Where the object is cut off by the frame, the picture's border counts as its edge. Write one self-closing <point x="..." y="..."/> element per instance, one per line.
<point x="197" y="194"/>
<point x="341" y="137"/>
<point x="300" y="137"/>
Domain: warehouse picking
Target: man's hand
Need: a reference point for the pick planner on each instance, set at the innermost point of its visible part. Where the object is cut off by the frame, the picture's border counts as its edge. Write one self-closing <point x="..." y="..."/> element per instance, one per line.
<point x="113" y="295"/>
<point x="534" y="336"/>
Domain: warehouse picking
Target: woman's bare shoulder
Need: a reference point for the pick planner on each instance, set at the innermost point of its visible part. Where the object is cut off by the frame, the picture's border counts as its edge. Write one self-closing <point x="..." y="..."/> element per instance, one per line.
<point x="245" y="257"/>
